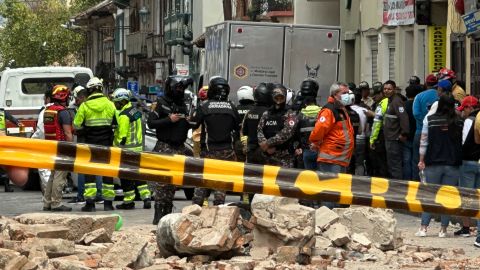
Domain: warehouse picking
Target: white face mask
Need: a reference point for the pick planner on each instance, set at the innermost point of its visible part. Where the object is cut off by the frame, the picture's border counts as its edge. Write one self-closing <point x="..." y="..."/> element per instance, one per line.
<point x="345" y="99"/>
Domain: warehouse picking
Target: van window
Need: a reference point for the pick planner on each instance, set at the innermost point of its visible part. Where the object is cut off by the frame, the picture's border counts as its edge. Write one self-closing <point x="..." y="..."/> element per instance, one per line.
<point x="38" y="86"/>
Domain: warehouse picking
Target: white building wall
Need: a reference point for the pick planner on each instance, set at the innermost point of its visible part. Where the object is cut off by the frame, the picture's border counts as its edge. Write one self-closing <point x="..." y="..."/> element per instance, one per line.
<point x="319" y="13"/>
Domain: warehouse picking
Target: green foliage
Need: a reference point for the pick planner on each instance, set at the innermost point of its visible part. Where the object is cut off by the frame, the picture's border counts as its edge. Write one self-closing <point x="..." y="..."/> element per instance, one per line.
<point x="82" y="5"/>
<point x="33" y="35"/>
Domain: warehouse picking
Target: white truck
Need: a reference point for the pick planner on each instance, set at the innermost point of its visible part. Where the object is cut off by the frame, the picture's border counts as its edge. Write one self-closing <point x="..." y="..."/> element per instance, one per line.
<point x="22" y="90"/>
<point x="248" y="53"/>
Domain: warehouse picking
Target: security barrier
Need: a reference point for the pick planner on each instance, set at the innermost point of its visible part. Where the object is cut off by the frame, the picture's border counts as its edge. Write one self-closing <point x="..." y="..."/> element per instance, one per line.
<point x="239" y="177"/>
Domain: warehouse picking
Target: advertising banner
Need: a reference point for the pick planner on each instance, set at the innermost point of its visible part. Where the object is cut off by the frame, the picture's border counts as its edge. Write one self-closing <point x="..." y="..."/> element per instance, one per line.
<point x="398" y="12"/>
<point x="437" y="55"/>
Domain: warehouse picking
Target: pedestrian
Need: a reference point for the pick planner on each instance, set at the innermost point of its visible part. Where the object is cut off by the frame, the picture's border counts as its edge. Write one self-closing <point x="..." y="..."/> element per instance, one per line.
<point x="378" y="153"/>
<point x="361" y="137"/>
<point x="421" y="105"/>
<point x="414" y="80"/>
<point x="217" y="139"/>
<point x="365" y="92"/>
<point x="470" y="169"/>
<point x="457" y="91"/>
<point x="441" y="153"/>
<point x="333" y="134"/>
<point x="40" y="134"/>
<point x="169" y="119"/>
<point x="306" y="122"/>
<point x="395" y="128"/>
<point x="408" y="161"/>
<point x="276" y="130"/>
<point x="57" y="123"/>
<point x="129" y="136"/>
<point x="95" y="116"/>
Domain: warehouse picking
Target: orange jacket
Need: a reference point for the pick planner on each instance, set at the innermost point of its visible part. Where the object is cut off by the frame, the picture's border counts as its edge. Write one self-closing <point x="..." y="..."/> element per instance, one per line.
<point x="333" y="135"/>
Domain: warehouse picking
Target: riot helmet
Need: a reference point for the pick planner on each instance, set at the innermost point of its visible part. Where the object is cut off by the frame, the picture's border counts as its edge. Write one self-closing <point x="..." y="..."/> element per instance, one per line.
<point x="309" y="88"/>
<point x="218" y="89"/>
<point x="175" y="87"/>
<point x="263" y="94"/>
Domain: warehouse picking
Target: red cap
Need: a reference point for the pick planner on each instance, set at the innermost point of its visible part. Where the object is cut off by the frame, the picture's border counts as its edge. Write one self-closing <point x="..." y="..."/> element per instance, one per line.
<point x="431" y="79"/>
<point x="469" y="101"/>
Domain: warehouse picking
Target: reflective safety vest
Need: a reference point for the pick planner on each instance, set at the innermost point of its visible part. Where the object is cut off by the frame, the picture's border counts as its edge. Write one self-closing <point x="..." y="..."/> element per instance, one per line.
<point x="53" y="129"/>
<point x="3" y="124"/>
<point x="130" y="127"/>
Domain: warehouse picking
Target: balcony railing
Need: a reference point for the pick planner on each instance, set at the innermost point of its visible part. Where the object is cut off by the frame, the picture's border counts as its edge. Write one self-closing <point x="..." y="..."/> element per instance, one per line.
<point x="156" y="46"/>
<point x="137" y="44"/>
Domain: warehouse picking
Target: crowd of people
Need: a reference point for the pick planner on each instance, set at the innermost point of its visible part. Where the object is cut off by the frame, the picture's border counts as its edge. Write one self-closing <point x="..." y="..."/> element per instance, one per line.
<point x="430" y="134"/>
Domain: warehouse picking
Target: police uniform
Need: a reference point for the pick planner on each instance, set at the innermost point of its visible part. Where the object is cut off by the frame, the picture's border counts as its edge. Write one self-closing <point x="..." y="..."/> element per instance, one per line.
<point x="378" y="154"/>
<point x="242" y="110"/>
<point x="220" y="126"/>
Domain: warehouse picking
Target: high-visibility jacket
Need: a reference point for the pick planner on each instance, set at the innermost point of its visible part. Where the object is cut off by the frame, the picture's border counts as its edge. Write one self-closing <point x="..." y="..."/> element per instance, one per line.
<point x="129" y="131"/>
<point x="3" y="121"/>
<point x="333" y="134"/>
<point x="378" y="120"/>
<point x="96" y="116"/>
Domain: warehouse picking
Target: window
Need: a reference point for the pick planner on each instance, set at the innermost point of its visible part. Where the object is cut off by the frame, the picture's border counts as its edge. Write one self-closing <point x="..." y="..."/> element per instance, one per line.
<point x="38" y="86"/>
<point x="374" y="55"/>
<point x="391" y="57"/>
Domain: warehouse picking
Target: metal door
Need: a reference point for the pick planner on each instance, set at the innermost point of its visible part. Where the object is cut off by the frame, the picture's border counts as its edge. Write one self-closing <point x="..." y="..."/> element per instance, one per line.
<point x="256" y="55"/>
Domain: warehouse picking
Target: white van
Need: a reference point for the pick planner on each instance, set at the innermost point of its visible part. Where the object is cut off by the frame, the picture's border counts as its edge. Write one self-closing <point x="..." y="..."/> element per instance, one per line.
<point x="22" y="90"/>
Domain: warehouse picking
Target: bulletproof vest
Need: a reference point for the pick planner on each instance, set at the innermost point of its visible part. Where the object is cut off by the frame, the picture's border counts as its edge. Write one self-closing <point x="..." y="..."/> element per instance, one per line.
<point x="273" y="124"/>
<point x="305" y="126"/>
<point x="354" y="119"/>
<point x="471" y="150"/>
<point x="251" y="123"/>
<point x="219" y="107"/>
<point x="243" y="110"/>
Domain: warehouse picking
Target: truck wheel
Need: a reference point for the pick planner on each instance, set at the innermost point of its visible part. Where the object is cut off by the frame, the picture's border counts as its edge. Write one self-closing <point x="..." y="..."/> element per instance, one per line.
<point x="189" y="193"/>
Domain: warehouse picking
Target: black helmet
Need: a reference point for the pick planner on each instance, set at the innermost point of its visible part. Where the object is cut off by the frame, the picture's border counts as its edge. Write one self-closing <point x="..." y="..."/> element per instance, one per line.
<point x="218" y="88"/>
<point x="352" y="86"/>
<point x="414" y="80"/>
<point x="309" y="88"/>
<point x="377" y="87"/>
<point x="175" y="86"/>
<point x="363" y="85"/>
<point x="263" y="94"/>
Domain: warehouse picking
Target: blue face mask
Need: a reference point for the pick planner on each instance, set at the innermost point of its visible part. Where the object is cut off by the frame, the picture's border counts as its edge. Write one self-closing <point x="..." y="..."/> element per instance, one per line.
<point x="345" y="99"/>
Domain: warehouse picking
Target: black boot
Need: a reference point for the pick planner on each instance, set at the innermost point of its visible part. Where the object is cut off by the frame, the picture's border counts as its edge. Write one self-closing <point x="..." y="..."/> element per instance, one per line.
<point x="158" y="213"/>
<point x="8" y="188"/>
<point x="108" y="206"/>
<point x="147" y="204"/>
<point x="126" y="206"/>
<point x="89" y="206"/>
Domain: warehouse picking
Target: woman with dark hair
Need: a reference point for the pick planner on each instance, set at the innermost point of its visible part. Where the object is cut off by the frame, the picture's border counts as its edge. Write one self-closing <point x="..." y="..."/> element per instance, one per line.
<point x="441" y="153"/>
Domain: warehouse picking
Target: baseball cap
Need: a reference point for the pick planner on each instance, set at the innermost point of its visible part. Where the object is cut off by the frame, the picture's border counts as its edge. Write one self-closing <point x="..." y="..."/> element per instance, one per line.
<point x="469" y="101"/>
<point x="446" y="85"/>
<point x="431" y="80"/>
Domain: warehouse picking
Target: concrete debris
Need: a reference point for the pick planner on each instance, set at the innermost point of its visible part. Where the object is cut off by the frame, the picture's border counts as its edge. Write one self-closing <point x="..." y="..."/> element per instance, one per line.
<point x="98" y="236"/>
<point x="125" y="252"/>
<point x="215" y="231"/>
<point x="422" y="256"/>
<point x="361" y="239"/>
<point x="193" y="209"/>
<point x="339" y="234"/>
<point x="260" y="253"/>
<point x="19" y="232"/>
<point x="287" y="254"/>
<point x="324" y="217"/>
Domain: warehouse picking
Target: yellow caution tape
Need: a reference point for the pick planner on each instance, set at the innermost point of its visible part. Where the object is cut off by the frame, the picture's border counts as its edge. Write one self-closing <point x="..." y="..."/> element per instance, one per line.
<point x="239" y="177"/>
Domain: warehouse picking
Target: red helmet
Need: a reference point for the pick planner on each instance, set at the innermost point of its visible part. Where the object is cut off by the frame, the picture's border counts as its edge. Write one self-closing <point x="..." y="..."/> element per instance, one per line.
<point x="60" y="93"/>
<point x="446" y="74"/>
<point x="202" y="93"/>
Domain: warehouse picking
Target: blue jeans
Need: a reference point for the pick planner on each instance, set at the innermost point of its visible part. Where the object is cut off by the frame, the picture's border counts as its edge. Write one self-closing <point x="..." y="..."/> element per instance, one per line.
<point x="440" y="175"/>
<point x="408" y="164"/>
<point x="330" y="168"/>
<point x="310" y="159"/>
<point x="81" y="186"/>
<point x="470" y="178"/>
<point x="416" y="156"/>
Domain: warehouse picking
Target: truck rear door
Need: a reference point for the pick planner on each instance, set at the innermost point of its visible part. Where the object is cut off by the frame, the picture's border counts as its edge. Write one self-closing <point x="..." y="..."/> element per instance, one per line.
<point x="255" y="55"/>
<point x="312" y="52"/>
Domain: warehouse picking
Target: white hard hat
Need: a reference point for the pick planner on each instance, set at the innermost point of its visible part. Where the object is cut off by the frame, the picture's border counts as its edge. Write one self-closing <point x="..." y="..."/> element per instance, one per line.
<point x="94" y="82"/>
<point x="245" y="93"/>
<point x="77" y="90"/>
<point x="121" y="94"/>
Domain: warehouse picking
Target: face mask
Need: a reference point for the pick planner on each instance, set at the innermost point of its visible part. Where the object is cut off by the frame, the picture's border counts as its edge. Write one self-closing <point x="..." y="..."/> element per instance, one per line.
<point x="345" y="99"/>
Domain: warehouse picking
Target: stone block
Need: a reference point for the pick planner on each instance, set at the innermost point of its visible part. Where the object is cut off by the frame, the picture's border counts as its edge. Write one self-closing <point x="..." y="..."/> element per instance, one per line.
<point x="322" y="242"/>
<point x="320" y="263"/>
<point x="16" y="263"/>
<point x="324" y="217"/>
<point x="422" y="256"/>
<point x="226" y="217"/>
<point x="287" y="254"/>
<point x="98" y="236"/>
<point x="260" y="253"/>
<point x="55" y="247"/>
<point x="193" y="209"/>
<point x="361" y="239"/>
<point x="208" y="215"/>
<point x="339" y="234"/>
<point x="125" y="252"/>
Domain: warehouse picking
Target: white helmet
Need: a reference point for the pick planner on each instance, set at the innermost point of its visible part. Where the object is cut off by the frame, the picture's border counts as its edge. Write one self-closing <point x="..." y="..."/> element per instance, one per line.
<point x="94" y="83"/>
<point x="245" y="93"/>
<point x="77" y="90"/>
<point x="290" y="96"/>
<point x="121" y="94"/>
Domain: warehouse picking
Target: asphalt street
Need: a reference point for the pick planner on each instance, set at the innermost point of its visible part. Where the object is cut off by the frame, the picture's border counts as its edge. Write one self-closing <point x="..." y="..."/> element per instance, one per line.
<point x="21" y="202"/>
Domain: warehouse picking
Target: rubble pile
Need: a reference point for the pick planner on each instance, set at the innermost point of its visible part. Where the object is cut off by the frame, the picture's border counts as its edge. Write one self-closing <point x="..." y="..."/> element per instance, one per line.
<point x="279" y="233"/>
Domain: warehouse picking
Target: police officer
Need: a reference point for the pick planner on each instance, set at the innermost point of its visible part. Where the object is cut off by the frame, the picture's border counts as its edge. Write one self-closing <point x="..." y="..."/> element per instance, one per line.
<point x="220" y="125"/>
<point x="168" y="118"/>
<point x="276" y="130"/>
<point x="306" y="122"/>
<point x="246" y="102"/>
<point x="378" y="155"/>
<point x="263" y="100"/>
<point x="129" y="135"/>
<point x="96" y="116"/>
